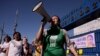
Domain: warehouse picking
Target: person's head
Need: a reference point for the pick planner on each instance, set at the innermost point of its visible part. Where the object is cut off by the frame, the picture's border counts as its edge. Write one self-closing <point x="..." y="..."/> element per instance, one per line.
<point x="55" y="21"/>
<point x="38" y="43"/>
<point x="90" y="38"/>
<point x="25" y="40"/>
<point x="7" y="38"/>
<point x="90" y="41"/>
<point x="17" y="36"/>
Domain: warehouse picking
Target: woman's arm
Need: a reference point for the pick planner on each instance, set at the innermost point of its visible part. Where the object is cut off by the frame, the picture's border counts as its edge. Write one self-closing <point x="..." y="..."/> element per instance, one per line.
<point x="7" y="50"/>
<point x="69" y="44"/>
<point x="71" y="47"/>
<point x="41" y="30"/>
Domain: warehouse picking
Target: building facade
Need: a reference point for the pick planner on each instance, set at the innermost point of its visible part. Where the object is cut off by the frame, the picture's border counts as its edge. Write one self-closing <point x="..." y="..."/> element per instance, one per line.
<point x="83" y="26"/>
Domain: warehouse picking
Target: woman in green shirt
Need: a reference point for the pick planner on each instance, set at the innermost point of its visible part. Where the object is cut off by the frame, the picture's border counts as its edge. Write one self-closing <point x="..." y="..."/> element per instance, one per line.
<point x="54" y="39"/>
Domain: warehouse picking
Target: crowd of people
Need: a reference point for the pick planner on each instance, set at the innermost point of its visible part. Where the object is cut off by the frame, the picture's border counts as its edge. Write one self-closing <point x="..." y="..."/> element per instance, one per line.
<point x="18" y="46"/>
<point x="48" y="42"/>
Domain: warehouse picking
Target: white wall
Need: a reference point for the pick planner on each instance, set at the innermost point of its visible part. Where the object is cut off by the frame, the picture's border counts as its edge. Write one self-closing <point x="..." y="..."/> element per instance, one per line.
<point x="87" y="27"/>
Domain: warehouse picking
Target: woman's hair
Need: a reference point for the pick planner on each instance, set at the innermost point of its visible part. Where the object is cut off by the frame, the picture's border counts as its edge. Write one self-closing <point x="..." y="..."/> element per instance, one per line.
<point x="58" y="20"/>
<point x="8" y="38"/>
<point x="18" y="34"/>
<point x="25" y="38"/>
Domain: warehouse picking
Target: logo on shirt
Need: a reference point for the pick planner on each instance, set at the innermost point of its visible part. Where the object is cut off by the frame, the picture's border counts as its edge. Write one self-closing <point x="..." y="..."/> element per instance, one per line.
<point x="53" y="40"/>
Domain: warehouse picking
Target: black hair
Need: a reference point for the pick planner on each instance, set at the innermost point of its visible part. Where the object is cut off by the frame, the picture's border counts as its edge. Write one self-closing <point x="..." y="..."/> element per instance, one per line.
<point x="18" y="34"/>
<point x="7" y="37"/>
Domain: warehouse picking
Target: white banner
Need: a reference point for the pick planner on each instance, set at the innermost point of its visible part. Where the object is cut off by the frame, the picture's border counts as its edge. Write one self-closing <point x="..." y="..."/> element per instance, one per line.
<point x="84" y="28"/>
<point x="85" y="41"/>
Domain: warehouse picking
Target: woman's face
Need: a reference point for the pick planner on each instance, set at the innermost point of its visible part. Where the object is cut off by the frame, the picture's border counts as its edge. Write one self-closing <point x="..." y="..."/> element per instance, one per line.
<point x="6" y="39"/>
<point x="16" y="36"/>
<point x="54" y="20"/>
<point x="24" y="40"/>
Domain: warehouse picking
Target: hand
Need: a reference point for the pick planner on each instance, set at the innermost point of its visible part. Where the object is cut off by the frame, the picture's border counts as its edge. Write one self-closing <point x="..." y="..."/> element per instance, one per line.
<point x="44" y="21"/>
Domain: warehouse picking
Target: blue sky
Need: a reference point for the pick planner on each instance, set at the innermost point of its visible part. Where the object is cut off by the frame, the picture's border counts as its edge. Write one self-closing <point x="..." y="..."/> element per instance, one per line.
<point x="28" y="21"/>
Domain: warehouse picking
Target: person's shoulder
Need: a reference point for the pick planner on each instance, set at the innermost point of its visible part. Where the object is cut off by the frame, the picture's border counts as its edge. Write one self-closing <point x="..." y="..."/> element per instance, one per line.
<point x="65" y="31"/>
<point x="45" y="30"/>
<point x="12" y="41"/>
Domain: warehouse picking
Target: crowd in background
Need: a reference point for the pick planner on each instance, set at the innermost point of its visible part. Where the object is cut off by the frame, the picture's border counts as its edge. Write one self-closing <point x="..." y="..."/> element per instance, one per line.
<point x="19" y="46"/>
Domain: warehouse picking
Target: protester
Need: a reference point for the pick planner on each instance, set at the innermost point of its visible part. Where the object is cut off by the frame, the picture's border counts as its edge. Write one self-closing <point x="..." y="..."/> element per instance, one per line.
<point x="27" y="48"/>
<point x="5" y="46"/>
<point x="33" y="45"/>
<point x="15" y="48"/>
<point x="38" y="49"/>
<point x="54" y="38"/>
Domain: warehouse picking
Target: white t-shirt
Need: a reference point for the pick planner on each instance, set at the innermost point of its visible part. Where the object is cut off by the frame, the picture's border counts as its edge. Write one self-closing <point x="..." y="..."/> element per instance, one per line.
<point x="15" y="48"/>
<point x="4" y="45"/>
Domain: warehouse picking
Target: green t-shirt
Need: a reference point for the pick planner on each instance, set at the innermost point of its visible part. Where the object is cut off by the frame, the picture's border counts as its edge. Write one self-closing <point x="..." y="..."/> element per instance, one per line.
<point x="53" y="43"/>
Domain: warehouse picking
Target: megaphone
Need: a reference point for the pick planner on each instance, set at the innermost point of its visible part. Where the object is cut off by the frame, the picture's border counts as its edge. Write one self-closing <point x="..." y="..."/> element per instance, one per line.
<point x="40" y="10"/>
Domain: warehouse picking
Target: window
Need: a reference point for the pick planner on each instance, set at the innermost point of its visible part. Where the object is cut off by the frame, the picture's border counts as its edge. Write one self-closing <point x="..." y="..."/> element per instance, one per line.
<point x="81" y="13"/>
<point x="87" y="9"/>
<point x="94" y="5"/>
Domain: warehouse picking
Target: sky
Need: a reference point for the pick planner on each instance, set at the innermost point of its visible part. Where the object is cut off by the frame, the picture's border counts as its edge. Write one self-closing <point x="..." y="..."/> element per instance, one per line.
<point x="27" y="20"/>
